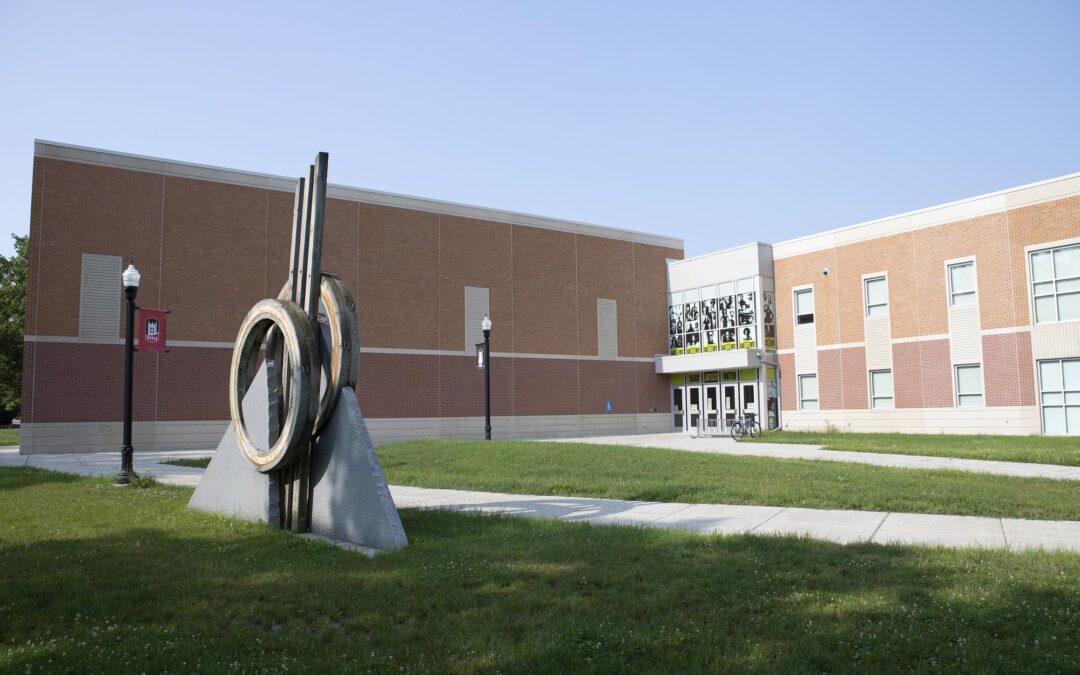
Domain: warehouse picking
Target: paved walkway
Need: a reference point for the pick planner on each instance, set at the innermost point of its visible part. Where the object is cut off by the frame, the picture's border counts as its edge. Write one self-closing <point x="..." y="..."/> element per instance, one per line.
<point x="728" y="446"/>
<point x="831" y="525"/>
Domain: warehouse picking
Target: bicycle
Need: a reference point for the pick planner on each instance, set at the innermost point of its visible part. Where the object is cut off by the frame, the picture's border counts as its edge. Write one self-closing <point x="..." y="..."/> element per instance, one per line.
<point x="741" y="427"/>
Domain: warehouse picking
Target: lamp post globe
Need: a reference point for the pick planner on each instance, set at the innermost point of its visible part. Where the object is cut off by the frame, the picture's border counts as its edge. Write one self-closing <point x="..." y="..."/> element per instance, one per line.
<point x="131" y="279"/>
<point x="485" y="325"/>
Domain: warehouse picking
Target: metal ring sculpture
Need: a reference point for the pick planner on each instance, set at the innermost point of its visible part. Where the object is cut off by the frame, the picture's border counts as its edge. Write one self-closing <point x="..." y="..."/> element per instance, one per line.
<point x="306" y="411"/>
<point x="303" y="359"/>
<point x="344" y="343"/>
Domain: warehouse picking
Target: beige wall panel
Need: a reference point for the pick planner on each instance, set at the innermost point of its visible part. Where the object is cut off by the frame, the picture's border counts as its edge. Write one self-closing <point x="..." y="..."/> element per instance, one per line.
<point x="965" y="334"/>
<point x="1055" y="340"/>
<point x="878" y="342"/>
<point x="545" y="292"/>
<point x="806" y="349"/>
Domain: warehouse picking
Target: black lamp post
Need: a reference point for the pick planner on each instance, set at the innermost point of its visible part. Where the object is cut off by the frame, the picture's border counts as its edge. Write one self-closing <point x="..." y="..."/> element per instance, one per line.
<point x="486" y="326"/>
<point x="131" y="278"/>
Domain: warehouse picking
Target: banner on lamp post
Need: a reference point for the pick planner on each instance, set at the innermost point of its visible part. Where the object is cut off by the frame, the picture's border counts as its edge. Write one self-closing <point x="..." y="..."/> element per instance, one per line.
<point x="152" y="330"/>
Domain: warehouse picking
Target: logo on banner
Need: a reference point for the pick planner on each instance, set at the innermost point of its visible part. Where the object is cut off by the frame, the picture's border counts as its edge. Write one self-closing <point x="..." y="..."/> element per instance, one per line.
<point x="152" y="334"/>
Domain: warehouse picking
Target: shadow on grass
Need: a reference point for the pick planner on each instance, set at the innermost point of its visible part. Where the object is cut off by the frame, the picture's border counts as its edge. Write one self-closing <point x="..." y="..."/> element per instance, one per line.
<point x="96" y="592"/>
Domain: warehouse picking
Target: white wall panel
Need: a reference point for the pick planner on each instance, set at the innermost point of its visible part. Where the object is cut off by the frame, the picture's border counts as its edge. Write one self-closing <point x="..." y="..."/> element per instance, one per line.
<point x="965" y="334"/>
<point x="806" y="348"/>
<point x="878" y="342"/>
<point x="476" y="308"/>
<point x="1055" y="340"/>
<point x="607" y="328"/>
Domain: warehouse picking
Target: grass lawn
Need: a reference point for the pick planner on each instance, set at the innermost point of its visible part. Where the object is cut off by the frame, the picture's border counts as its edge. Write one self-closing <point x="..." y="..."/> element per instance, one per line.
<point x="102" y="579"/>
<point x="1034" y="449"/>
<point x="654" y="474"/>
<point x="9" y="436"/>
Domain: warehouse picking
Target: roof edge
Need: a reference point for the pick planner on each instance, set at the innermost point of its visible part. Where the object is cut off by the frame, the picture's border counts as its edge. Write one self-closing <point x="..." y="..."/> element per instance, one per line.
<point x="111" y="158"/>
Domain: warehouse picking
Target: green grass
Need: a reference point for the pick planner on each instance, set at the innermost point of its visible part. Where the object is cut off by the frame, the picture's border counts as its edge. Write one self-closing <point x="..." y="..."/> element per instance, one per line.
<point x="1034" y="449"/>
<point x="197" y="462"/>
<point x="9" y="436"/>
<point x="101" y="579"/>
<point x="654" y="474"/>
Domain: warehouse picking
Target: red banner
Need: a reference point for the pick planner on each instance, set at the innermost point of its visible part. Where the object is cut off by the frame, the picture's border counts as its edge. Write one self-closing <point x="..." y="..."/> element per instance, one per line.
<point x="151" y="330"/>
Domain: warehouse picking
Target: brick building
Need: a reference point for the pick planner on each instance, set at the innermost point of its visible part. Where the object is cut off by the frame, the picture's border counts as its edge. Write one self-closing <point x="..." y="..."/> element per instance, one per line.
<point x="577" y="309"/>
<point x="961" y="317"/>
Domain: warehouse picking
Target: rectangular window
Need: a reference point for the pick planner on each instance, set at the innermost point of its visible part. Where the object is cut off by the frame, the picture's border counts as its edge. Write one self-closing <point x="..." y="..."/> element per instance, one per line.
<point x="877" y="296"/>
<point x="1059" y="396"/>
<point x="804" y="306"/>
<point x="1055" y="284"/>
<point x="962" y="283"/>
<point x="881" y="389"/>
<point x="808" y="392"/>
<point x="969" y="385"/>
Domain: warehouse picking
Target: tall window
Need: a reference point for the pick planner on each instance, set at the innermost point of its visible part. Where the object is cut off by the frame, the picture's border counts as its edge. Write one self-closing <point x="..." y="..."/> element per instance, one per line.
<point x="1055" y="281"/>
<point x="804" y="306"/>
<point x="881" y="389"/>
<point x="969" y="385"/>
<point x="962" y="283"/>
<point x="877" y="296"/>
<point x="808" y="396"/>
<point x="1059" y="394"/>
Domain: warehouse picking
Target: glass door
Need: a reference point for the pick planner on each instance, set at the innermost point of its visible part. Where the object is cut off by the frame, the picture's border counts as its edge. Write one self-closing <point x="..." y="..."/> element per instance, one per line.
<point x="749" y="400"/>
<point x="730" y="403"/>
<point x="712" y="408"/>
<point x="677" y="408"/>
<point x="693" y="398"/>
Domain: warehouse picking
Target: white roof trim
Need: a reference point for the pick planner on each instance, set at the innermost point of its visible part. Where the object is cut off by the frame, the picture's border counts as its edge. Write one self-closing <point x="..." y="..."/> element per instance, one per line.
<point x="84" y="155"/>
<point x="964" y="209"/>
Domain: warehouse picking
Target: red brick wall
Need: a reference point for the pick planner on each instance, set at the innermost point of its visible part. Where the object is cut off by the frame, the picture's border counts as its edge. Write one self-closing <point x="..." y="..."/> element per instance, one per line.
<point x="209" y="250"/>
<point x="856" y="379"/>
<point x="789" y="386"/>
<point x="1008" y="371"/>
<point x="830" y="380"/>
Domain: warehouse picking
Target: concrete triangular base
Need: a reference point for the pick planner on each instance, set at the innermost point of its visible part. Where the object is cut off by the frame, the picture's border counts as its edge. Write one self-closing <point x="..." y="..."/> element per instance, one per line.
<point x="350" y="499"/>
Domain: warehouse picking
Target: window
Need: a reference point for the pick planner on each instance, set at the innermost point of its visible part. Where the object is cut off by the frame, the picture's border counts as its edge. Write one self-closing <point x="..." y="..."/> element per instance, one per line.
<point x="969" y="385"/>
<point x="804" y="306"/>
<point x="808" y="396"/>
<point x="1055" y="284"/>
<point x="881" y="389"/>
<point x="962" y="283"/>
<point x="877" y="296"/>
<point x="1059" y="396"/>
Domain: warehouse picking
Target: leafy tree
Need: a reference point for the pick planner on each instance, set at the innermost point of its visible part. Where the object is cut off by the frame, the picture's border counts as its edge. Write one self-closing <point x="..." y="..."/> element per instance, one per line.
<point x="12" y="313"/>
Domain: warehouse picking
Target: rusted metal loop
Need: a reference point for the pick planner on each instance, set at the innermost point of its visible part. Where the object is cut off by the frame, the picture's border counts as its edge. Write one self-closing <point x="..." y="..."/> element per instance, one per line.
<point x="344" y="343"/>
<point x="302" y="359"/>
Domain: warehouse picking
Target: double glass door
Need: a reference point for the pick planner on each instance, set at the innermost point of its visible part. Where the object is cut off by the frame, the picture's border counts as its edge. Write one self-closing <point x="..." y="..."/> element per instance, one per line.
<point x="712" y="407"/>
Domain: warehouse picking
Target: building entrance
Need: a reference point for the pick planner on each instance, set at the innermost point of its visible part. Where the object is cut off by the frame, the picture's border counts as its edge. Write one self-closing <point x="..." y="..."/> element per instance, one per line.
<point x="710" y="402"/>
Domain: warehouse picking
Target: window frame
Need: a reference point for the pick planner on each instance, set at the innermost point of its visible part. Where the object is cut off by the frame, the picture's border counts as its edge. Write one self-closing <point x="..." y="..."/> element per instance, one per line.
<point x="959" y="396"/>
<point x="951" y="294"/>
<point x="875" y="396"/>
<point x="802" y="400"/>
<point x="866" y="279"/>
<point x="1029" y="253"/>
<point x="795" y="305"/>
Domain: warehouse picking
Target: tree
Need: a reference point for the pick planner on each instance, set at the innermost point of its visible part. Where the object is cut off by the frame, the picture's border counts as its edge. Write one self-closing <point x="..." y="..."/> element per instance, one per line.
<point x="12" y="314"/>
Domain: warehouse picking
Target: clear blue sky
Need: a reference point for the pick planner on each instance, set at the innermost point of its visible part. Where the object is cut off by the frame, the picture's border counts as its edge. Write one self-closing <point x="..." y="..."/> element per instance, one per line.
<point x="717" y="122"/>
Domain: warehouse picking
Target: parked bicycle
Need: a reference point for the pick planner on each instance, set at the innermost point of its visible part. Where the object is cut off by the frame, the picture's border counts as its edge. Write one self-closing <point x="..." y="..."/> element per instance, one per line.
<point x="741" y="427"/>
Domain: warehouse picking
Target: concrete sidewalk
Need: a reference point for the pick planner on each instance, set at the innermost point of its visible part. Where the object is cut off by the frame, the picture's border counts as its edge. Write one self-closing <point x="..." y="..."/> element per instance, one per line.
<point x="842" y="527"/>
<point x="728" y="446"/>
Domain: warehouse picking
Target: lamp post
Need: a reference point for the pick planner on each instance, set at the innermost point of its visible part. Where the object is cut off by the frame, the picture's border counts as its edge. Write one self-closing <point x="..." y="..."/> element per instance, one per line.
<point x="486" y="326"/>
<point x="131" y="278"/>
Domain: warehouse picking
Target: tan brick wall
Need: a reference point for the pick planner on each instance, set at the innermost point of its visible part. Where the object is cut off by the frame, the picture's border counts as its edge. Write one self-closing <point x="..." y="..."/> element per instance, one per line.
<point x="1038" y="224"/>
<point x="545" y="292"/>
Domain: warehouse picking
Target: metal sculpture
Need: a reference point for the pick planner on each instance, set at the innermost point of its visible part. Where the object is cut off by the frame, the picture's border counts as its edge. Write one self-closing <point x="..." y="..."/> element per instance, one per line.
<point x="293" y="408"/>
